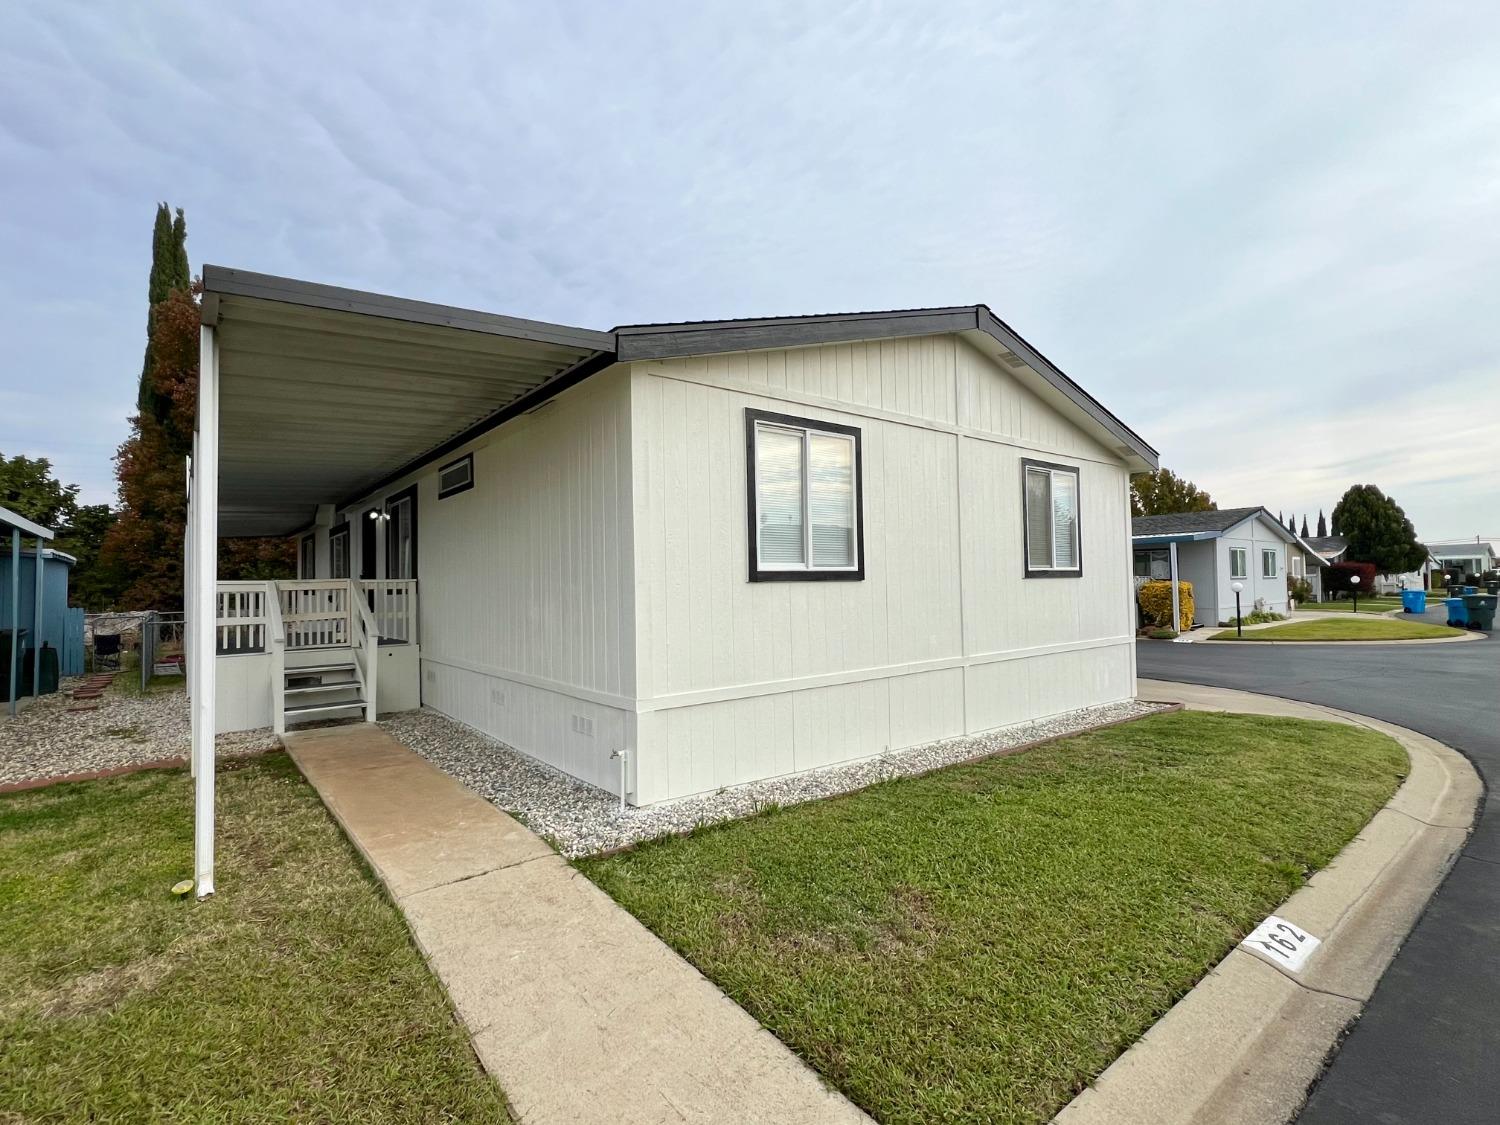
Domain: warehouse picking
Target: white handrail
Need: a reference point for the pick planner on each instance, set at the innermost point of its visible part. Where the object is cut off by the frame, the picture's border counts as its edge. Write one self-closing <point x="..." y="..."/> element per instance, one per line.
<point x="276" y="646"/>
<point x="366" y="629"/>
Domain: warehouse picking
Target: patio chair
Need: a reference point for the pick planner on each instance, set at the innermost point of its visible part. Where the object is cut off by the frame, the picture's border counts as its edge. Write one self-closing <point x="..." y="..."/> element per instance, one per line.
<point x="106" y="649"/>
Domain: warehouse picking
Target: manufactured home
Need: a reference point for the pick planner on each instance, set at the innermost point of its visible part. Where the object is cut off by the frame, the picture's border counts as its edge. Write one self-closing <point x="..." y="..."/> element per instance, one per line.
<point x="708" y="553"/>
<point x="1217" y="551"/>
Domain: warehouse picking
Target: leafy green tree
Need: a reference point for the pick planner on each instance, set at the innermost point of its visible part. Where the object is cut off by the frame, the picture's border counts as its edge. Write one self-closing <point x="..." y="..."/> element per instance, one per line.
<point x="95" y="584"/>
<point x="1165" y="493"/>
<point x="1377" y="530"/>
<point x="28" y="488"/>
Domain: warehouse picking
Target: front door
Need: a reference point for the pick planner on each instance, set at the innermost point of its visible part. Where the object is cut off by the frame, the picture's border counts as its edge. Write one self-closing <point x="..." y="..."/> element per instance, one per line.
<point x="401" y="534"/>
<point x="367" y="524"/>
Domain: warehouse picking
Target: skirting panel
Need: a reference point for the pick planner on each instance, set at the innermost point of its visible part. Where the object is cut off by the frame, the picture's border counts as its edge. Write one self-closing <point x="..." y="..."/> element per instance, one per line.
<point x="569" y="734"/>
<point x="696" y="749"/>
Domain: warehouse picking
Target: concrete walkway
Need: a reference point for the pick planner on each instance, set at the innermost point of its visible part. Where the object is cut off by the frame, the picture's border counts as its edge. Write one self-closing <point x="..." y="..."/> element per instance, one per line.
<point x="1244" y="1045"/>
<point x="579" y="1012"/>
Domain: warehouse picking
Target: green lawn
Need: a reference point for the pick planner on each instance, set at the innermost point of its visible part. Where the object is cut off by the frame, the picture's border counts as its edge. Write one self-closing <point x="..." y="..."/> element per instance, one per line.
<point x="293" y="994"/>
<point x="977" y="944"/>
<point x="1366" y="605"/>
<point x="1343" y="629"/>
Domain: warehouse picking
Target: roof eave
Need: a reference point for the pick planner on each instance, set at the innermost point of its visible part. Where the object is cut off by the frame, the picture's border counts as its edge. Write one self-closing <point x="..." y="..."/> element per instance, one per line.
<point x="676" y="341"/>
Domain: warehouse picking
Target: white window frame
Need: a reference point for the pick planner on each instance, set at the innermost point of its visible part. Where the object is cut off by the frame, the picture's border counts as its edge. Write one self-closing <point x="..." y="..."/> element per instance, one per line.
<point x="1053" y="470"/>
<point x="755" y="422"/>
<point x="1272" y="554"/>
<point x="1243" y="555"/>
<point x="466" y="463"/>
<point x="1297" y="567"/>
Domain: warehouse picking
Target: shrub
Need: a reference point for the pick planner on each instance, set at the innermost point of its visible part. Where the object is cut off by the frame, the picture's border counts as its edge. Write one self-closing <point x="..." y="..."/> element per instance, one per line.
<point x="1340" y="573"/>
<point x="1300" y="590"/>
<point x="1156" y="603"/>
<point x="1162" y="634"/>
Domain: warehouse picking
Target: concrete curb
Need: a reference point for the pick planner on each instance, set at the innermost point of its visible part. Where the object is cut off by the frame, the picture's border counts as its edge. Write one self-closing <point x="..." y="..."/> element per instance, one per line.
<point x="1469" y="635"/>
<point x="1245" y="1044"/>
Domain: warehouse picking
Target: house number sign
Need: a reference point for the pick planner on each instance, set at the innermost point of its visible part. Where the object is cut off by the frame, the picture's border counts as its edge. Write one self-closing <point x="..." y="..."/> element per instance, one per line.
<point x="1281" y="943"/>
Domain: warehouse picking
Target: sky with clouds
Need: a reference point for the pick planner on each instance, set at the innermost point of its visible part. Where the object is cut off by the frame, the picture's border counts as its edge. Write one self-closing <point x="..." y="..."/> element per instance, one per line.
<point x="1267" y="236"/>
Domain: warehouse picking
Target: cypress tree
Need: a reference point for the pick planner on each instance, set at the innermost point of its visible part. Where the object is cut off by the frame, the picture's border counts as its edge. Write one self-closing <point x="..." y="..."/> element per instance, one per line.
<point x="1304" y="525"/>
<point x="1322" y="524"/>
<point x="169" y="271"/>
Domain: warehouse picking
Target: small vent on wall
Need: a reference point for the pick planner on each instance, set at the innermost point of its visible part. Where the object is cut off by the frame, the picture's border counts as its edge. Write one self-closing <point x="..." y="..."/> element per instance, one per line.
<point x="583" y="725"/>
<point x="1010" y="358"/>
<point x="432" y="675"/>
<point x="497" y="696"/>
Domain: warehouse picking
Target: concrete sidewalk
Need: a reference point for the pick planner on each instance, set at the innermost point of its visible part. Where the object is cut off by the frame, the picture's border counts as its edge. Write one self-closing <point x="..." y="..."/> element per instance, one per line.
<point x="579" y="1012"/>
<point x="1244" y="1045"/>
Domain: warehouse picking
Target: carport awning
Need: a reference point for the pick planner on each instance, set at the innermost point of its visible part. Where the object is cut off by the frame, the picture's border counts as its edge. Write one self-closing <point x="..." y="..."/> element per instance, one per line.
<point x="325" y="392"/>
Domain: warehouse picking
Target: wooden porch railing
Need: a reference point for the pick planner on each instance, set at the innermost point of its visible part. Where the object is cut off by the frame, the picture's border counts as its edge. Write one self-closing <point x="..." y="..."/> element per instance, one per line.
<point x="240" y="617"/>
<point x="321" y="613"/>
<point x="393" y="604"/>
<point x="316" y="612"/>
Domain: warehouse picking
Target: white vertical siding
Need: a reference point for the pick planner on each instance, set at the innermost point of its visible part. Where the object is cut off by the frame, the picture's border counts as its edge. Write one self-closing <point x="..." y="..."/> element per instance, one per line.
<point x="739" y="680"/>
<point x="525" y="592"/>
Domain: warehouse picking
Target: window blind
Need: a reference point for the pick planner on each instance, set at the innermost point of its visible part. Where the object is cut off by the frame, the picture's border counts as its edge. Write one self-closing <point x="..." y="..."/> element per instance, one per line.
<point x="830" y="478"/>
<point x="778" y="477"/>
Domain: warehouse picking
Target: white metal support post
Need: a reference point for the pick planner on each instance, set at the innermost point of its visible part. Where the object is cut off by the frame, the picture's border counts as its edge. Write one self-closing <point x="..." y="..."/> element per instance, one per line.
<point x="1176" y="607"/>
<point x="15" y="624"/>
<point x="36" y="626"/>
<point x="205" y="586"/>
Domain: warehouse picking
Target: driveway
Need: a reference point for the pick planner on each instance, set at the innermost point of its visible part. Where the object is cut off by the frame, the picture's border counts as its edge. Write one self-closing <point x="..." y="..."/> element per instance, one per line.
<point x="1426" y="1048"/>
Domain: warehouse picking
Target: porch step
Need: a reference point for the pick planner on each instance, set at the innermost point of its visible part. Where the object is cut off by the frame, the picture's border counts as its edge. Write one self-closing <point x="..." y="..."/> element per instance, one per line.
<point x="320" y="669"/>
<point x="308" y="711"/>
<point x="326" y="685"/>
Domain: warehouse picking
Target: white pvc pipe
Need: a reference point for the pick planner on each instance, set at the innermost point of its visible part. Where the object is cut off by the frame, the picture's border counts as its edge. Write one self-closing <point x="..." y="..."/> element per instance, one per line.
<point x="205" y="586"/>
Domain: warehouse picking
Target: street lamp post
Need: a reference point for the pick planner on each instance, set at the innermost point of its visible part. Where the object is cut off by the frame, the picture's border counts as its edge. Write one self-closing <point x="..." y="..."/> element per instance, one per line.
<point x="1354" y="585"/>
<point x="1239" y="618"/>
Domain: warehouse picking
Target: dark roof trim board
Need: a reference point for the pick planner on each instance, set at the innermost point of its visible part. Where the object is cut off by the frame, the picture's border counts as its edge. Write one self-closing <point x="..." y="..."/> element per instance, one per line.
<point x="1201" y="525"/>
<point x="220" y="281"/>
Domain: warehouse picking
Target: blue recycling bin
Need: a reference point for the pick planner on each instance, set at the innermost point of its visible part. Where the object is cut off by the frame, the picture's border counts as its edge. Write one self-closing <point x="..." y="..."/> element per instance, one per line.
<point x="1414" y="601"/>
<point x="1458" y="615"/>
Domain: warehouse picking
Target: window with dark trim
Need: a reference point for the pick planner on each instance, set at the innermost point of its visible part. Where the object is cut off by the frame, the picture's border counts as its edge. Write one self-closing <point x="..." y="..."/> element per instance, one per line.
<point x="401" y="534"/>
<point x="1050" y="506"/>
<point x="338" y="551"/>
<point x="456" y="476"/>
<point x="804" y="499"/>
<point x="307" y="558"/>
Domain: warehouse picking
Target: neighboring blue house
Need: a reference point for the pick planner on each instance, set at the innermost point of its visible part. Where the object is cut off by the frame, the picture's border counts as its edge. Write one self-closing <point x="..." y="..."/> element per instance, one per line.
<point x="22" y="630"/>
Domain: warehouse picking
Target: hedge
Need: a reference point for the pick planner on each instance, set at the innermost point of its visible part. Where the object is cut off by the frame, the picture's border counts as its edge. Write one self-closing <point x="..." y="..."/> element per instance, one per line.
<point x="1156" y="603"/>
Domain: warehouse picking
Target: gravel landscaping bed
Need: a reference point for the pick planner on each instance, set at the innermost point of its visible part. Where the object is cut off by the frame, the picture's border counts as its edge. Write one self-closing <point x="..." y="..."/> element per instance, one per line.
<point x="582" y="820"/>
<point x="46" y="740"/>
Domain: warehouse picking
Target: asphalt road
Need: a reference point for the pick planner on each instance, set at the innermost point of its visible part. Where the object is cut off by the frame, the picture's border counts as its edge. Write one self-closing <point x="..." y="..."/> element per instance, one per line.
<point x="1427" y="1048"/>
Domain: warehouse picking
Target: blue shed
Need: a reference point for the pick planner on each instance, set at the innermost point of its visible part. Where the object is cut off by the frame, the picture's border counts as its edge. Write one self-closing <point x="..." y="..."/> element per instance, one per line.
<point x="62" y="628"/>
<point x="28" y="578"/>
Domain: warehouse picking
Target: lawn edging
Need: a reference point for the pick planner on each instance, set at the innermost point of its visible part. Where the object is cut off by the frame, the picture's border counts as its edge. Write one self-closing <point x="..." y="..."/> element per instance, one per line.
<point x="1248" y="1041"/>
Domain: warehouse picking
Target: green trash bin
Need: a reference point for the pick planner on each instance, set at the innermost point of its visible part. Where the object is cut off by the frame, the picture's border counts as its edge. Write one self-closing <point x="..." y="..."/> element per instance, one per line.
<point x="1481" y="610"/>
<point x="49" y="670"/>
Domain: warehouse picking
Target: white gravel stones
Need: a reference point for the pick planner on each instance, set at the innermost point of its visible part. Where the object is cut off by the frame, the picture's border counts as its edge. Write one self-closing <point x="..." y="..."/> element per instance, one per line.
<point x="582" y="820"/>
<point x="46" y="740"/>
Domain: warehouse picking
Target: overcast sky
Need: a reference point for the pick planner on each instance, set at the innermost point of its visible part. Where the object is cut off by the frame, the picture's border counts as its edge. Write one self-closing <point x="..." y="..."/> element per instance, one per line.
<point x="1266" y="235"/>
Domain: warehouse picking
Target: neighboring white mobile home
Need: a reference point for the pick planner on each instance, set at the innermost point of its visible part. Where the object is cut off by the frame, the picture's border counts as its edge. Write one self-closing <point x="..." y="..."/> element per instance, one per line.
<point x="1215" y="551"/>
<point x="727" y="550"/>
